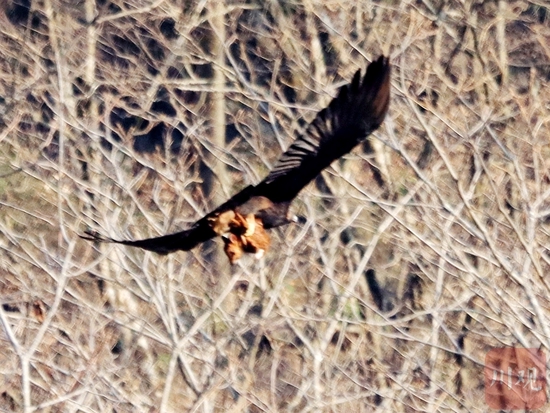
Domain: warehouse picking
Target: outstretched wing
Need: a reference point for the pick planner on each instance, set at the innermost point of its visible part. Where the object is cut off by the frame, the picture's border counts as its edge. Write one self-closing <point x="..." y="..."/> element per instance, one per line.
<point x="357" y="110"/>
<point x="184" y="240"/>
<point x="200" y="232"/>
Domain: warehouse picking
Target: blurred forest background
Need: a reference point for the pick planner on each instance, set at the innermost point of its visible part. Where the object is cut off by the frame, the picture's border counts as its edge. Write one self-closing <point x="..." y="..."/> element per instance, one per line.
<point x="423" y="249"/>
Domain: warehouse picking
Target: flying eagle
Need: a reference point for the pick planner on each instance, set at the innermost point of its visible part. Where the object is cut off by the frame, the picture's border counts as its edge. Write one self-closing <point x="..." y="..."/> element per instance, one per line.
<point x="242" y="221"/>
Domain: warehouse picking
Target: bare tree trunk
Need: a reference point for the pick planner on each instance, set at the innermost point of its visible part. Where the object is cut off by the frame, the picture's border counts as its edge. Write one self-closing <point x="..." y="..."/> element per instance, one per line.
<point x="501" y="38"/>
<point x="213" y="171"/>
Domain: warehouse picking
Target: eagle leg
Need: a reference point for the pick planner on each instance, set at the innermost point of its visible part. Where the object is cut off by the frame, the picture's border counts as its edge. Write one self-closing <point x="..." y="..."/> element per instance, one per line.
<point x="250" y="225"/>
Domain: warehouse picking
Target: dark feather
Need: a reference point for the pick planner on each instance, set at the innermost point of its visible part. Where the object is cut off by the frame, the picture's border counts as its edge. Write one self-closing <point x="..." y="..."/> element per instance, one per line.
<point x="356" y="112"/>
<point x="358" y="109"/>
<point x="180" y="241"/>
<point x="183" y="240"/>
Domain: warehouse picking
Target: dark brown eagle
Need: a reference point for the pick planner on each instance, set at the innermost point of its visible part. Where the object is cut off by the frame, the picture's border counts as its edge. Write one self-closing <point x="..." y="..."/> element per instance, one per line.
<point x="355" y="113"/>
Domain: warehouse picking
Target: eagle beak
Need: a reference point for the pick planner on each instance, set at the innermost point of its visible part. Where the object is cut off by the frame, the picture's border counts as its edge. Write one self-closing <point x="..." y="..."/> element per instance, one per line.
<point x="298" y="219"/>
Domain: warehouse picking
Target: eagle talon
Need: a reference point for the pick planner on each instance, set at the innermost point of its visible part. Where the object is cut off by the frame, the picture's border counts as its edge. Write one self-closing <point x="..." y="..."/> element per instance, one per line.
<point x="221" y="222"/>
<point x="250" y="225"/>
<point x="259" y="254"/>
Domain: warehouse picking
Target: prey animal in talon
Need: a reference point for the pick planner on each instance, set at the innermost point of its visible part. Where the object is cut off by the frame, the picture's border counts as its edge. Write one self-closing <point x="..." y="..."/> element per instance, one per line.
<point x="233" y="247"/>
<point x="256" y="243"/>
<point x="358" y="109"/>
<point x="241" y="225"/>
<point x="221" y="223"/>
